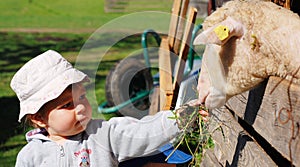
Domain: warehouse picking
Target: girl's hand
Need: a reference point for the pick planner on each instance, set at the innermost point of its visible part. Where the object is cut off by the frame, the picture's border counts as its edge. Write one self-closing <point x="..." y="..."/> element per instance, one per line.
<point x="188" y="113"/>
<point x="203" y="111"/>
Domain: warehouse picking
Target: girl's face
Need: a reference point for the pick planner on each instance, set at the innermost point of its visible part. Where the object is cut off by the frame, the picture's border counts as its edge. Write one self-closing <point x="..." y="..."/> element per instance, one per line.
<point x="68" y="114"/>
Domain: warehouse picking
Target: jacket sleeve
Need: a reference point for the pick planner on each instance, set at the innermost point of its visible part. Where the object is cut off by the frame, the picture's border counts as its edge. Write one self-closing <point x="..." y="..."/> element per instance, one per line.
<point x="129" y="137"/>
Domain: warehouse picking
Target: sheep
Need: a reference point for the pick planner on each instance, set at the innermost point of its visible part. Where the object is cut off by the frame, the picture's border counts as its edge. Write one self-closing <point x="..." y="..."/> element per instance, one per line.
<point x="246" y="42"/>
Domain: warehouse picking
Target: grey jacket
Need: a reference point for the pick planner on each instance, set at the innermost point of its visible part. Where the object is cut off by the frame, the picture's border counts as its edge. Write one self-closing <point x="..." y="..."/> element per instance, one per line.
<point x="103" y="143"/>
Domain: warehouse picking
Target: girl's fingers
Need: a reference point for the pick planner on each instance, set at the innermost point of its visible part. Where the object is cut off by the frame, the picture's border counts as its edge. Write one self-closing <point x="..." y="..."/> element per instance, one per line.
<point x="203" y="113"/>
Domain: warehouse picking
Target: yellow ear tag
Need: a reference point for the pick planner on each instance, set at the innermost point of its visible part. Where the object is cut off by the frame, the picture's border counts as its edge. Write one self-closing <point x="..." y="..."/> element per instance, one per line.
<point x="222" y="32"/>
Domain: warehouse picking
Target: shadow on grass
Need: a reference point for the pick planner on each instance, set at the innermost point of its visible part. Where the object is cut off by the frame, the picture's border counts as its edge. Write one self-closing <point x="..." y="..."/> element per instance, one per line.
<point x="9" y="118"/>
<point x="18" y="48"/>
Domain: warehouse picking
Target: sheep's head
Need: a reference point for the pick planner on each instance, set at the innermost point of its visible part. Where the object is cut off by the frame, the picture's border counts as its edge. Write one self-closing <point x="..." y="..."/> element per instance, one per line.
<point x="246" y="42"/>
<point x="214" y="86"/>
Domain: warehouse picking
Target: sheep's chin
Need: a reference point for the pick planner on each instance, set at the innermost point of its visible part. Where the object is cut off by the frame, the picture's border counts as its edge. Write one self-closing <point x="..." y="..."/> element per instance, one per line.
<point x="215" y="98"/>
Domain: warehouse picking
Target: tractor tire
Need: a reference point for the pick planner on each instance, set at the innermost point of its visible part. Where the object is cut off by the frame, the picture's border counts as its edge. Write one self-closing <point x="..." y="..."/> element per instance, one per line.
<point x="128" y="77"/>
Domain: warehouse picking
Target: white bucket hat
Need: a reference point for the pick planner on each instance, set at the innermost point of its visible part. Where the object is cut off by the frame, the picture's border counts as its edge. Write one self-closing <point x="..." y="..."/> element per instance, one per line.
<point x="42" y="79"/>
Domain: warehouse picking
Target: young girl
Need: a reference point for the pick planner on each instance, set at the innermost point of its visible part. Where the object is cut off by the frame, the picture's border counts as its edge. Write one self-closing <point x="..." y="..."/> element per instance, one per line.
<point x="53" y="99"/>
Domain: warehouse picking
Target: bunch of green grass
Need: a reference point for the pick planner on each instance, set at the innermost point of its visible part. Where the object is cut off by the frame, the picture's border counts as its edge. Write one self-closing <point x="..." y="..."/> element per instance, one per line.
<point x="194" y="137"/>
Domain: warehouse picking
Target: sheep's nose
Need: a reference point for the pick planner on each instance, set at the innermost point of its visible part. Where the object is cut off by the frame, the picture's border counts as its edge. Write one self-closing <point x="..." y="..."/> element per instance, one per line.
<point x="80" y="108"/>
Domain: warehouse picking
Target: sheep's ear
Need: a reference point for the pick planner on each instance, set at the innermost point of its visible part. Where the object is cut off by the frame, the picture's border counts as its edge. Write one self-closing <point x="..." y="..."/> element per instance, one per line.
<point x="220" y="33"/>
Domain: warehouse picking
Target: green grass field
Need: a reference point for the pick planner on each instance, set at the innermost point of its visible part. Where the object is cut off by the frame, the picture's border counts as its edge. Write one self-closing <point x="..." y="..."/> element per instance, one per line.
<point x="68" y="14"/>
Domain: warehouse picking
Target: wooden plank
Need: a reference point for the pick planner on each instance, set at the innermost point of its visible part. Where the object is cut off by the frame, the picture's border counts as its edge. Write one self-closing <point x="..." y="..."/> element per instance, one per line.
<point x="155" y="100"/>
<point x="233" y="145"/>
<point x="183" y="53"/>
<point x="165" y="75"/>
<point x="273" y="109"/>
<point x="180" y="26"/>
<point x="174" y="22"/>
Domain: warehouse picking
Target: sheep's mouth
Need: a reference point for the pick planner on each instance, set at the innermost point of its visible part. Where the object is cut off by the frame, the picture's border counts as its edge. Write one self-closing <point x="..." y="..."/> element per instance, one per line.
<point x="215" y="98"/>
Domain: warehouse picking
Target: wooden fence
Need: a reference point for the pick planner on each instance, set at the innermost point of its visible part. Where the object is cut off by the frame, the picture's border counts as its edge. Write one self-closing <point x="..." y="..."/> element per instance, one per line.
<point x="258" y="128"/>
